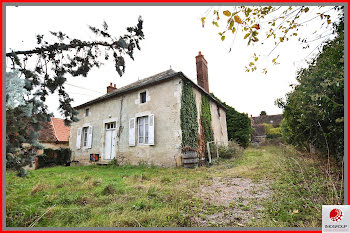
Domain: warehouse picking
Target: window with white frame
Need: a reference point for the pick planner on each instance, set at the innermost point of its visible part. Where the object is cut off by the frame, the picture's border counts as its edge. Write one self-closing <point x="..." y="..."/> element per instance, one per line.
<point x="143" y="129"/>
<point x="85" y="136"/>
<point x="111" y="125"/>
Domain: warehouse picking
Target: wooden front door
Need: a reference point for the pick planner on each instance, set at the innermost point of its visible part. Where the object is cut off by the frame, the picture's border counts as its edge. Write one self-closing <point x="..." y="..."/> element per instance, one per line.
<point x="110" y="134"/>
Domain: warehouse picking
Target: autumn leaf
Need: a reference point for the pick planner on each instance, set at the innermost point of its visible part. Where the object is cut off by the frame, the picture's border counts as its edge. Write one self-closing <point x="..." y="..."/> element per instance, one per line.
<point x="329" y="21"/>
<point x="306" y="9"/>
<point x="215" y="23"/>
<point x="231" y="24"/>
<point x="203" y="21"/>
<point x="227" y="13"/>
<point x="233" y="30"/>
<point x="246" y="35"/>
<point x="237" y="19"/>
<point x="222" y="38"/>
<point x="256" y="26"/>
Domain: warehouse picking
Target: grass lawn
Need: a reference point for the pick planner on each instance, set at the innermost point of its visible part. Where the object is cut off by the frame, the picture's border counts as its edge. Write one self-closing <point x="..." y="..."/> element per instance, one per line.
<point x="266" y="186"/>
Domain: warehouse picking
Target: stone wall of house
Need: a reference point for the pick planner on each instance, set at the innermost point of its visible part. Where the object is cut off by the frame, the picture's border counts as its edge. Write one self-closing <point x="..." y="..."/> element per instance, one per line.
<point x="163" y="100"/>
<point x="218" y="122"/>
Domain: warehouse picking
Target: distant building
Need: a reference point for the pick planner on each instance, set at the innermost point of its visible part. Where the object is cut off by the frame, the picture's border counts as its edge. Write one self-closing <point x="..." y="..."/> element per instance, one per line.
<point x="258" y="124"/>
<point x="54" y="134"/>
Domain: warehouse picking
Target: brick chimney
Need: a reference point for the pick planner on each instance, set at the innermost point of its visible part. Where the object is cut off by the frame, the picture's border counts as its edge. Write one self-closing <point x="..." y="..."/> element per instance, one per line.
<point x="202" y="72"/>
<point x="111" y="88"/>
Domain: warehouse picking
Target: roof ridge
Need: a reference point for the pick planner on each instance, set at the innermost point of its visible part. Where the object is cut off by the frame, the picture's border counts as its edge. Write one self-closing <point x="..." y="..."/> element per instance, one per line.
<point x="170" y="73"/>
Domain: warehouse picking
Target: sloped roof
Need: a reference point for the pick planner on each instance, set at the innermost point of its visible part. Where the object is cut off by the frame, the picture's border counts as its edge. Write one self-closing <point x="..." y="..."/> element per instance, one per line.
<point x="54" y="131"/>
<point x="157" y="78"/>
<point x="47" y="133"/>
<point x="61" y="130"/>
<point x="268" y="119"/>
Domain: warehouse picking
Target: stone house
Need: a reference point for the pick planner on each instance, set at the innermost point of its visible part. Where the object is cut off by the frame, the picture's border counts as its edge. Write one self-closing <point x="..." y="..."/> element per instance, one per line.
<point x="258" y="124"/>
<point x="140" y="122"/>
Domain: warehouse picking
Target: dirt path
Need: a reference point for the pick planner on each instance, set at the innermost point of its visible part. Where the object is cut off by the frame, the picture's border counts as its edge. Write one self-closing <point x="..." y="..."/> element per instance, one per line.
<point x="237" y="199"/>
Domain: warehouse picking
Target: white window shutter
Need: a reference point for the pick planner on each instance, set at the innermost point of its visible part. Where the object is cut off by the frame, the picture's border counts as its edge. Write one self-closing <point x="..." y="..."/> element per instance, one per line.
<point x="78" y="138"/>
<point x="89" y="139"/>
<point x="151" y="129"/>
<point x="132" y="130"/>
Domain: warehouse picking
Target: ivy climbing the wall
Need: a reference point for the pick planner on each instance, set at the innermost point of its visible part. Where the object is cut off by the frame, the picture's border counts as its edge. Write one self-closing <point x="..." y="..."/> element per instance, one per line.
<point x="188" y="114"/>
<point x="206" y="119"/>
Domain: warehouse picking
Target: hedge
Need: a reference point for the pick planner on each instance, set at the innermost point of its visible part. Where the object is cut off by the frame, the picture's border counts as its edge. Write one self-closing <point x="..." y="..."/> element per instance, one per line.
<point x="53" y="157"/>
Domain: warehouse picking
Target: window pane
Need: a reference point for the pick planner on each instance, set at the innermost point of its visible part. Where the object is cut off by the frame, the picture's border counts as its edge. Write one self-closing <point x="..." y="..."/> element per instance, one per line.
<point x="143" y="97"/>
<point x="141" y="129"/>
<point x="146" y="129"/>
<point x="85" y="136"/>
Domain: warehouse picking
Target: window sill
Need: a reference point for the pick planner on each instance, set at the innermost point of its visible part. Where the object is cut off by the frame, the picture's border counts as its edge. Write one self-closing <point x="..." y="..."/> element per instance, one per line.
<point x="142" y="144"/>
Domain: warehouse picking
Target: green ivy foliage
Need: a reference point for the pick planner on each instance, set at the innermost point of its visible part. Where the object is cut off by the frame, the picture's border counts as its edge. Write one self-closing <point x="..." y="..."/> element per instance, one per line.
<point x="54" y="157"/>
<point x="206" y="119"/>
<point x="314" y="109"/>
<point x="238" y="125"/>
<point x="188" y="116"/>
<point x="272" y="132"/>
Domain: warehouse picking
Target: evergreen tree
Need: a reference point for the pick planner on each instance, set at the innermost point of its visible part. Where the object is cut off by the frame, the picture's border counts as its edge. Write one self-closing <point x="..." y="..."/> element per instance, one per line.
<point x="263" y="113"/>
<point x="45" y="70"/>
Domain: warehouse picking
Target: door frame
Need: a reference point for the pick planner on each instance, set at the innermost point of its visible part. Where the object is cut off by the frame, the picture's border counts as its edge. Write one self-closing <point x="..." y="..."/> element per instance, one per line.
<point x="106" y="121"/>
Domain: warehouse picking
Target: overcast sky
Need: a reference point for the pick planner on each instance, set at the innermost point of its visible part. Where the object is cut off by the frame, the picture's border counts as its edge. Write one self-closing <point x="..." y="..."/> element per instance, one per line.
<point x="173" y="37"/>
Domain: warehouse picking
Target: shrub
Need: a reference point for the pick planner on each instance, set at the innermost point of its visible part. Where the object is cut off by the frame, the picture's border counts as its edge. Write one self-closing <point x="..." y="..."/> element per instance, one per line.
<point x="233" y="149"/>
<point x="63" y="156"/>
<point x="44" y="161"/>
<point x="314" y="109"/>
<point x="113" y="162"/>
<point x="53" y="157"/>
<point x="272" y="132"/>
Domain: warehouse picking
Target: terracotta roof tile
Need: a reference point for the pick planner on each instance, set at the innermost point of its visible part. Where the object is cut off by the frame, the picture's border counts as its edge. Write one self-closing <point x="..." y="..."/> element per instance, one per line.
<point x="61" y="130"/>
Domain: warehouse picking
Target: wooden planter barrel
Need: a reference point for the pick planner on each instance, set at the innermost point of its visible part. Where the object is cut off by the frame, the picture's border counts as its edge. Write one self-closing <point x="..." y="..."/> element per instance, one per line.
<point x="190" y="159"/>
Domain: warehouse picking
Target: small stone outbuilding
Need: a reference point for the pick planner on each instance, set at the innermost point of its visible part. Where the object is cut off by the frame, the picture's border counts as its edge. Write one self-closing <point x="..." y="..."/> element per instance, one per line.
<point x="54" y="134"/>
